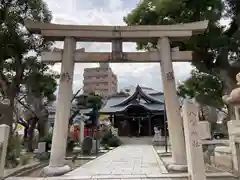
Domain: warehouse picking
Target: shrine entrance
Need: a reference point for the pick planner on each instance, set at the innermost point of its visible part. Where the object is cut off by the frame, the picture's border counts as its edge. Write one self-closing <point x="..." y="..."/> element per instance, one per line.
<point x="140" y="121"/>
<point x="137" y="120"/>
<point x="71" y="34"/>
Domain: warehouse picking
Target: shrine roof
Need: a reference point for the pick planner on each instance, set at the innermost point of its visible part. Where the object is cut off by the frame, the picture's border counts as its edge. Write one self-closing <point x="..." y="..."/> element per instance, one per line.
<point x="153" y="102"/>
<point x="150" y="107"/>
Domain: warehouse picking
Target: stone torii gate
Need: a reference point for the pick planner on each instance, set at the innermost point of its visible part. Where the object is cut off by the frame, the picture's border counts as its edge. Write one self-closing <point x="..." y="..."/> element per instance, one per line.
<point x="70" y="34"/>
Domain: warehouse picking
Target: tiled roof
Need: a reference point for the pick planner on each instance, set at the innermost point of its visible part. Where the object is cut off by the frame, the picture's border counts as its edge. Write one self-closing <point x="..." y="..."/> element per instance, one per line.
<point x="121" y="103"/>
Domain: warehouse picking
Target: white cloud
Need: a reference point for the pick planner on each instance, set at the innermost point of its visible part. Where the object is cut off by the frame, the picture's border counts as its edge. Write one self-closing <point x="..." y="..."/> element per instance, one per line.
<point x="110" y="12"/>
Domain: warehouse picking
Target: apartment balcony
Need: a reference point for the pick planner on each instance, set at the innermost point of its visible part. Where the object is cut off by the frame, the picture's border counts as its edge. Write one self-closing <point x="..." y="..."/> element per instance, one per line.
<point x="95" y="73"/>
<point x="94" y="88"/>
<point x="89" y="88"/>
<point x="95" y="80"/>
<point x="102" y="92"/>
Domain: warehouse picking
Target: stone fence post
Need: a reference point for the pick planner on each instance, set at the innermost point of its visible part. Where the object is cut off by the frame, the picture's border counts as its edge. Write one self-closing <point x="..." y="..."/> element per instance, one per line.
<point x="234" y="141"/>
<point x="195" y="161"/>
<point x="4" y="134"/>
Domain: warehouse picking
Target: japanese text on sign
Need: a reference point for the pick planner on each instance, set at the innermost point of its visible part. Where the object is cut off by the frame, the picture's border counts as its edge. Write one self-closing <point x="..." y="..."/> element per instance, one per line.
<point x="196" y="143"/>
<point x="170" y="76"/>
<point x="65" y="76"/>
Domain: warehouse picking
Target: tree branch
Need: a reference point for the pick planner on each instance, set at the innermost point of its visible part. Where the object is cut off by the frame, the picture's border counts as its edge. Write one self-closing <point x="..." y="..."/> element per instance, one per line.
<point x="222" y="111"/>
<point x="19" y="75"/>
<point x="222" y="58"/>
<point x="27" y="107"/>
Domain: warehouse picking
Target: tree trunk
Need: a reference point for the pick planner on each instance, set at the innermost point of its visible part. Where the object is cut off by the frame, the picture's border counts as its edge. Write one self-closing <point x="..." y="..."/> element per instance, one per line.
<point x="6" y="112"/>
<point x="31" y="134"/>
<point x="41" y="128"/>
<point x="25" y="136"/>
<point x="40" y="111"/>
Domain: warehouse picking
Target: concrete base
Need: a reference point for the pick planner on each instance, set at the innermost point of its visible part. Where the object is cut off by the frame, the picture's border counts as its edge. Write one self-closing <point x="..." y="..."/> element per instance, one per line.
<point x="56" y="171"/>
<point x="177" y="167"/>
<point x="222" y="157"/>
<point x="160" y="141"/>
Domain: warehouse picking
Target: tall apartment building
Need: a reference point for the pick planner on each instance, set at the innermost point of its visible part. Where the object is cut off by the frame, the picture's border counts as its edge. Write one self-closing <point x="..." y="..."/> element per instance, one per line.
<point x="100" y="80"/>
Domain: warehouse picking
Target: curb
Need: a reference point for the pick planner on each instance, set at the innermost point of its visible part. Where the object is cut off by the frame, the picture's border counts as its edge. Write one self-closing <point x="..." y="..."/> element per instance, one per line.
<point x="32" y="169"/>
<point x="217" y="176"/>
<point x="159" y="161"/>
<point x="27" y="169"/>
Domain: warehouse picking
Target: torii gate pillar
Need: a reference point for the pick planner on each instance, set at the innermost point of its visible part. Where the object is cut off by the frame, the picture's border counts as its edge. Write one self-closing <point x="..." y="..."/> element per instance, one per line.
<point x="172" y="105"/>
<point x="57" y="164"/>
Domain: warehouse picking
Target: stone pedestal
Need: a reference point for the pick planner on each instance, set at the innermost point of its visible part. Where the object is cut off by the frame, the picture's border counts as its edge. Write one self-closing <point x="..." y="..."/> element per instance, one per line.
<point x="204" y="130"/>
<point x="96" y="145"/>
<point x="59" y="141"/>
<point x="196" y="168"/>
<point x="56" y="171"/>
<point x="41" y="147"/>
<point x="4" y="134"/>
<point x="234" y="134"/>
<point x="175" y="124"/>
<point x="223" y="156"/>
<point x="158" y="140"/>
<point x="236" y="109"/>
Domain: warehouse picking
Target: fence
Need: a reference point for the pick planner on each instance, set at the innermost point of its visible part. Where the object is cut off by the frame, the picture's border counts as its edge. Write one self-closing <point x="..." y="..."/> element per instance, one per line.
<point x="217" y="156"/>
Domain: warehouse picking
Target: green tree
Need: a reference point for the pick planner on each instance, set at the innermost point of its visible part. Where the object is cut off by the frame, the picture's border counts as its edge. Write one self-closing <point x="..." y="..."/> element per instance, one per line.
<point x="94" y="99"/>
<point x="40" y="87"/>
<point x="20" y="50"/>
<point x="86" y="101"/>
<point x="89" y="101"/>
<point x="217" y="50"/>
<point x="205" y="88"/>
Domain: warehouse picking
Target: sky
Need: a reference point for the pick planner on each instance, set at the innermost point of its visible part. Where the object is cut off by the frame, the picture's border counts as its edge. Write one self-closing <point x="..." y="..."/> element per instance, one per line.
<point x="109" y="12"/>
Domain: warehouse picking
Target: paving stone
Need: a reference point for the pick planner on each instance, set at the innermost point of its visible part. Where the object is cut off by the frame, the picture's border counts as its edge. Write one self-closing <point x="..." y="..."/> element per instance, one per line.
<point x="137" y="160"/>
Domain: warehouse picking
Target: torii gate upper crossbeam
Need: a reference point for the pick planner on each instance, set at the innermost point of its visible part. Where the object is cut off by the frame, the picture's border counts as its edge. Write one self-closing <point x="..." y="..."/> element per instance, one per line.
<point x="57" y="32"/>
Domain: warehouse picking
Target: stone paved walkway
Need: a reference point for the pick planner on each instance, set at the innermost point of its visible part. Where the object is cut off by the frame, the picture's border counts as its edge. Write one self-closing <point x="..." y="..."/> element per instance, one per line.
<point x="125" y="161"/>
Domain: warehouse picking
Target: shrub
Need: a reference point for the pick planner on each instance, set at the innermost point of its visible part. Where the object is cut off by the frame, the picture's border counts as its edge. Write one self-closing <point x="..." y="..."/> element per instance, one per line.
<point x="48" y="140"/>
<point x="87" y="145"/>
<point x="114" y="142"/>
<point x="70" y="145"/>
<point x="106" y="136"/>
<point x="13" y="151"/>
<point x="110" y="139"/>
<point x="106" y="147"/>
<point x="43" y="156"/>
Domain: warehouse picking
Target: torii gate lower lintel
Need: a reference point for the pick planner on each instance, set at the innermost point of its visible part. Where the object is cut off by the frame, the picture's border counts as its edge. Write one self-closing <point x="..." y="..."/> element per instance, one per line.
<point x="115" y="34"/>
<point x="80" y="56"/>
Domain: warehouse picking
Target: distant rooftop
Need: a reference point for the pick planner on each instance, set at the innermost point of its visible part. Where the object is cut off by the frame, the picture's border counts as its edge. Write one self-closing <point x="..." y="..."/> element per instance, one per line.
<point x="131" y="89"/>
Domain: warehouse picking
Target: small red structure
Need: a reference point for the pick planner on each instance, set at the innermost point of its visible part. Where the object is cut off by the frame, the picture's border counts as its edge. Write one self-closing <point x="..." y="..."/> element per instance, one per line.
<point x="76" y="133"/>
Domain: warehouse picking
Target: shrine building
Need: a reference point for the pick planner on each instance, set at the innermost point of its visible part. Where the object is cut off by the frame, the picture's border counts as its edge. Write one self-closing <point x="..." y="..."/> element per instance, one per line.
<point x="137" y="113"/>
